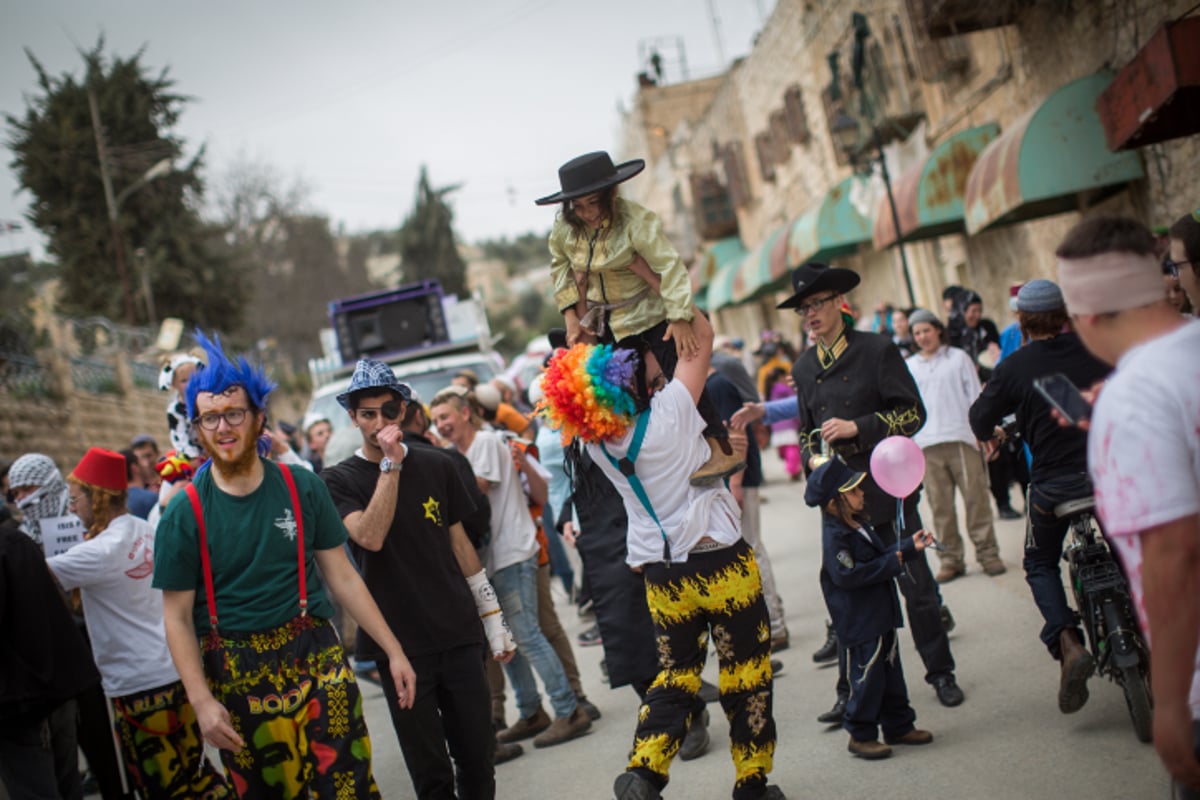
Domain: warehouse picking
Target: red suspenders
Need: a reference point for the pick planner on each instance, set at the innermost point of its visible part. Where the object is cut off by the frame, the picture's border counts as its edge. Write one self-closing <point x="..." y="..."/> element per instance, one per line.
<point x="206" y="564"/>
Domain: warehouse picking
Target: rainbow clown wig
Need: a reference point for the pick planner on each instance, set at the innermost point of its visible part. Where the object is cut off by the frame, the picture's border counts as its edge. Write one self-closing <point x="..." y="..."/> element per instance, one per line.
<point x="588" y="392"/>
<point x="218" y="374"/>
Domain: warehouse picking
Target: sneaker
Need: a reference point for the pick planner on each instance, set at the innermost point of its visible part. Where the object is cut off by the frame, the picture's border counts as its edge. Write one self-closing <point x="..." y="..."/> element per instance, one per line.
<point x="947" y="619"/>
<point x="525" y="727"/>
<point x="631" y="786"/>
<point x="564" y="729"/>
<point x="695" y="742"/>
<point x="1008" y="512"/>
<point x="780" y="642"/>
<point x="776" y="667"/>
<point x="948" y="573"/>
<point x="773" y="793"/>
<point x="507" y="751"/>
<point x="590" y="637"/>
<point x="588" y="707"/>
<point x="995" y="567"/>
<point x="871" y="750"/>
<point x="916" y="736"/>
<point x="828" y="651"/>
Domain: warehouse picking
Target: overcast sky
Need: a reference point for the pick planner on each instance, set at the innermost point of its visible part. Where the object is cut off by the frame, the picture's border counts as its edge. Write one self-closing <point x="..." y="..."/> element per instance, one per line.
<point x="354" y="96"/>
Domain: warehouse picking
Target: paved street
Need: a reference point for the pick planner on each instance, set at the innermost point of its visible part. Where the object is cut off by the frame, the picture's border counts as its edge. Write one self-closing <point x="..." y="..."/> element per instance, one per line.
<point x="1008" y="740"/>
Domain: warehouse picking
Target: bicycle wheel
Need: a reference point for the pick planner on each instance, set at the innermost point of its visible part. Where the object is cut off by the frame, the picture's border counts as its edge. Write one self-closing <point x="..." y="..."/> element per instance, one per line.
<point x="1135" y="683"/>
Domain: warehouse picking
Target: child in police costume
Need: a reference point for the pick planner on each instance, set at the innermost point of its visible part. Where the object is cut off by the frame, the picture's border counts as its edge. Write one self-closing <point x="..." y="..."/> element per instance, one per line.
<point x="857" y="572"/>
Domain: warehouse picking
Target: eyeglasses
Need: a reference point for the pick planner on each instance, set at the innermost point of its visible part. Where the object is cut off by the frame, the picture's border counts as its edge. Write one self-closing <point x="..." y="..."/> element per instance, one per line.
<point x="1172" y="266"/>
<point x="212" y="421"/>
<point x="74" y="500"/>
<point x="815" y="305"/>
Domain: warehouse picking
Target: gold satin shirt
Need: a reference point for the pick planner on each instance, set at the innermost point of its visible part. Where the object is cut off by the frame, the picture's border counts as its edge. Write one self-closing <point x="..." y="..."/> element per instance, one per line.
<point x="635" y="230"/>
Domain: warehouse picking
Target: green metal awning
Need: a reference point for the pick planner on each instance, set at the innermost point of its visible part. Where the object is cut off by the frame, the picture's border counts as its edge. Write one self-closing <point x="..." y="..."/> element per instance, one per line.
<point x="831" y="229"/>
<point x="1053" y="159"/>
<point x="720" y="289"/>
<point x="929" y="197"/>
<point x="762" y="266"/>
<point x="715" y="258"/>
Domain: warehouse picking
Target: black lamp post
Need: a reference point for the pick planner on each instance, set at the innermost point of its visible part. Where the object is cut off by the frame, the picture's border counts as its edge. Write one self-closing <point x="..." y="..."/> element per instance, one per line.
<point x="847" y="136"/>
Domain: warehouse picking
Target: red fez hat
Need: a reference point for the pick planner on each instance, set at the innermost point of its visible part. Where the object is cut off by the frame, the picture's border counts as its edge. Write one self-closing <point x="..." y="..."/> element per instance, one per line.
<point x="103" y="468"/>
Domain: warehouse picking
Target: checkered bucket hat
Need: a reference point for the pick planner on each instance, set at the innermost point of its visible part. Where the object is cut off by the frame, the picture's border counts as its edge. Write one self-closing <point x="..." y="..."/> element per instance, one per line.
<point x="371" y="374"/>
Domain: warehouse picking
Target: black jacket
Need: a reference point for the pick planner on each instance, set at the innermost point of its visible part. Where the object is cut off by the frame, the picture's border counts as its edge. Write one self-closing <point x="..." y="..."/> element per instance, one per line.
<point x="869" y="384"/>
<point x="1056" y="450"/>
<point x="857" y="579"/>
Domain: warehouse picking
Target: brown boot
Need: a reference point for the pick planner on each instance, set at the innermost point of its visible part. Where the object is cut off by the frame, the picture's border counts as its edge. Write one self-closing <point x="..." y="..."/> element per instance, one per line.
<point x="1077" y="666"/>
<point x="722" y="463"/>
<point x="525" y="727"/>
<point x="949" y="573"/>
<point x="870" y="750"/>
<point x="563" y="729"/>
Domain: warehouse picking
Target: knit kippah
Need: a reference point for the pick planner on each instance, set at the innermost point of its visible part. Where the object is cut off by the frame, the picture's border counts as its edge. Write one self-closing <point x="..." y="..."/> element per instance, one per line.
<point x="1039" y="295"/>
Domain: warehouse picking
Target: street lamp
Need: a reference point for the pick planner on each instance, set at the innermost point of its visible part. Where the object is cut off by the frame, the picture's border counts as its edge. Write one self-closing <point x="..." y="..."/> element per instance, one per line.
<point x="847" y="136"/>
<point x="113" y="203"/>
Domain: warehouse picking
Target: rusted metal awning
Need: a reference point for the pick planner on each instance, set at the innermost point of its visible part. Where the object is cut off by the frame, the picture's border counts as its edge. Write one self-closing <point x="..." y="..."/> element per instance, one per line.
<point x="929" y="196"/>
<point x="1156" y="96"/>
<point x="1053" y="159"/>
<point x="831" y="229"/>
<point x="715" y="257"/>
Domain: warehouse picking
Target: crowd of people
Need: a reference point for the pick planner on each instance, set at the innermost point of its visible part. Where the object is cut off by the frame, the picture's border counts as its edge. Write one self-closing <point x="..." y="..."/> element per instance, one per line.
<point x="236" y="589"/>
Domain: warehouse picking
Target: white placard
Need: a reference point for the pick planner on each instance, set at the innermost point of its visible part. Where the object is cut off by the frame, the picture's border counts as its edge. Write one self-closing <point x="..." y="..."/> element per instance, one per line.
<point x="60" y="534"/>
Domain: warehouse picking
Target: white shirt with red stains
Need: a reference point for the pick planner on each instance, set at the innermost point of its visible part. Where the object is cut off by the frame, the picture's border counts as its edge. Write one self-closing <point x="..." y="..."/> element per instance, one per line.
<point x="122" y="610"/>
<point x="1144" y="450"/>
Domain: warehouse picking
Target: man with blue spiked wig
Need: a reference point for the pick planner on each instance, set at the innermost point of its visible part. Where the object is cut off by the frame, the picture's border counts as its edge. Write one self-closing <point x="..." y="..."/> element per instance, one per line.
<point x="247" y="612"/>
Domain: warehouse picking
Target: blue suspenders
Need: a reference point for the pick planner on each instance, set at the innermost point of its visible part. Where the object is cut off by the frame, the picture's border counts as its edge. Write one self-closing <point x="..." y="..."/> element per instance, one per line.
<point x="625" y="466"/>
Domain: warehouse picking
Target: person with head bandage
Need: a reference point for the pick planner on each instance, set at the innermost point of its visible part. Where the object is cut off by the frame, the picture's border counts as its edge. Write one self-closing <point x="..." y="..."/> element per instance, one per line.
<point x="1144" y="459"/>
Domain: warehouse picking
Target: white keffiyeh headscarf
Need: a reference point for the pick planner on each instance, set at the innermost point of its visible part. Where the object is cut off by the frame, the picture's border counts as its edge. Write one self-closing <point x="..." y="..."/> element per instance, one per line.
<point x="51" y="497"/>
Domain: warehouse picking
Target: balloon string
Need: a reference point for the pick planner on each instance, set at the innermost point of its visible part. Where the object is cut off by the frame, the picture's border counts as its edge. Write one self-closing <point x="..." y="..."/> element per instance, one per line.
<point x="899" y="517"/>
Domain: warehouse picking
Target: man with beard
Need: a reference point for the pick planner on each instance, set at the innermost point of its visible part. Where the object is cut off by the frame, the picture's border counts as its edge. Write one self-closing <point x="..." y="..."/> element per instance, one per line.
<point x="245" y="542"/>
<point x="404" y="506"/>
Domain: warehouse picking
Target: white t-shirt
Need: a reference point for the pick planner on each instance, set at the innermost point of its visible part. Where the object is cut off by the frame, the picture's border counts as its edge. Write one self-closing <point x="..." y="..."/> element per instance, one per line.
<point x="1144" y="450"/>
<point x="514" y="536"/>
<point x="124" y="614"/>
<point x="672" y="450"/>
<point x="949" y="384"/>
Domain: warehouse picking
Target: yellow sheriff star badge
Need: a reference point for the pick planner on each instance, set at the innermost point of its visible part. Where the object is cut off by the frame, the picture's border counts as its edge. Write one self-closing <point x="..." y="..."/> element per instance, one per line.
<point x="433" y="510"/>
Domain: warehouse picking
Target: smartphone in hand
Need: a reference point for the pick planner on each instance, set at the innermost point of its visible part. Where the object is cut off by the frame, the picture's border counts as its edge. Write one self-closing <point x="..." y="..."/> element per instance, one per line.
<point x="1063" y="395"/>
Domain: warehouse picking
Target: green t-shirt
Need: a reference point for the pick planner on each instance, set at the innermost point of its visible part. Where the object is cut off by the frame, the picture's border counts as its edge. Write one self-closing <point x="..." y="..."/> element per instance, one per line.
<point x="252" y="547"/>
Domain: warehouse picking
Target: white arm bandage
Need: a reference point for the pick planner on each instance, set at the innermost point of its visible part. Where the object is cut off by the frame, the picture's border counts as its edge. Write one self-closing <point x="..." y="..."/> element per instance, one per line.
<point x="499" y="638"/>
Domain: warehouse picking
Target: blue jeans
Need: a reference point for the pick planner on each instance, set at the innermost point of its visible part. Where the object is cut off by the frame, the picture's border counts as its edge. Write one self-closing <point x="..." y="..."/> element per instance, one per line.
<point x="1043" y="570"/>
<point x="516" y="587"/>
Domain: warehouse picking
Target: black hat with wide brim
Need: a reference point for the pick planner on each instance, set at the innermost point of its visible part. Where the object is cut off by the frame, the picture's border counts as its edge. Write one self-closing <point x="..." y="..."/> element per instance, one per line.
<point x="813" y="277"/>
<point x="588" y="174"/>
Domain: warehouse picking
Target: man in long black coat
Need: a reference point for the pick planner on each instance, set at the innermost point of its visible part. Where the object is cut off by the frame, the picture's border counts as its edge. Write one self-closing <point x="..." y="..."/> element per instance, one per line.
<point x="854" y="390"/>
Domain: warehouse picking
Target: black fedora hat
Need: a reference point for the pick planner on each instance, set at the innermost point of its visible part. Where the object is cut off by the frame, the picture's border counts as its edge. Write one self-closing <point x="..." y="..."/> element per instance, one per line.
<point x="814" y="277"/>
<point x="590" y="173"/>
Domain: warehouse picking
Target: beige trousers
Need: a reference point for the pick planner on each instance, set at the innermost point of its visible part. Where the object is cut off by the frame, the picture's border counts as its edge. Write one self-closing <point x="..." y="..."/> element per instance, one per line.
<point x="957" y="465"/>
<point x="752" y="533"/>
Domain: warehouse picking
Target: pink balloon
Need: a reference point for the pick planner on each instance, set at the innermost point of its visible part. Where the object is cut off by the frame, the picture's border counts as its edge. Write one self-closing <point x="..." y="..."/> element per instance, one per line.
<point x="898" y="466"/>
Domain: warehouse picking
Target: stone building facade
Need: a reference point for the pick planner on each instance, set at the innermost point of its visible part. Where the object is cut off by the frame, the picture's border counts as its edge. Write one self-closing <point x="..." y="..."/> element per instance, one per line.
<point x="761" y="133"/>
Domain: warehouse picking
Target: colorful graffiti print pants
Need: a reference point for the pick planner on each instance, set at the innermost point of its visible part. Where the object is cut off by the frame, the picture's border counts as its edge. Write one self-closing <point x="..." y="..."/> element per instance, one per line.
<point x="164" y="754"/>
<point x="717" y="592"/>
<point x="296" y="705"/>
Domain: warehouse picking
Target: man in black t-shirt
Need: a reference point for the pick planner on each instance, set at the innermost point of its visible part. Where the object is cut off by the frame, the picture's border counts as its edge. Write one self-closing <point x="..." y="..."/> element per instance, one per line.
<point x="403" y="507"/>
<point x="1059" y="469"/>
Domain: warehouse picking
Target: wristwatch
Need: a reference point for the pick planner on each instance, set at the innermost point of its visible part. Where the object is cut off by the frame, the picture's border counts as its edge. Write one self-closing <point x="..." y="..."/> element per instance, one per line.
<point x="387" y="465"/>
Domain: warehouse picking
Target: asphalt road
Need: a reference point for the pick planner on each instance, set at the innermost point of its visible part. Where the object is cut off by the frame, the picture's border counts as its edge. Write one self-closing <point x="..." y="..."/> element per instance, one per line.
<point x="1007" y="740"/>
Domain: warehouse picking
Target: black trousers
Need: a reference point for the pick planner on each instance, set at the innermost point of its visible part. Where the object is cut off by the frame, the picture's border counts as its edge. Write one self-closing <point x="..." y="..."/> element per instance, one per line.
<point x="922" y="601"/>
<point x="446" y="737"/>
<point x="668" y="359"/>
<point x="878" y="695"/>
<point x="38" y="758"/>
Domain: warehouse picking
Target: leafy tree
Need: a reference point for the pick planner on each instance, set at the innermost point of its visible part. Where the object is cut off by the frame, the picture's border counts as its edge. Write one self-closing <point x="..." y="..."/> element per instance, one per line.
<point x="192" y="270"/>
<point x="525" y="252"/>
<point x="426" y="239"/>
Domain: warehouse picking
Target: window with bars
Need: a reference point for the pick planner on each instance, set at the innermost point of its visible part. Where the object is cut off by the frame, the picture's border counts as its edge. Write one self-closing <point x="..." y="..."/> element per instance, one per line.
<point x="797" y="119"/>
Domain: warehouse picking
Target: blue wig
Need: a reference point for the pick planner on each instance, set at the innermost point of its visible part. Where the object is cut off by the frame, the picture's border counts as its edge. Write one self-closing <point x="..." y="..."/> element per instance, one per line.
<point x="218" y="374"/>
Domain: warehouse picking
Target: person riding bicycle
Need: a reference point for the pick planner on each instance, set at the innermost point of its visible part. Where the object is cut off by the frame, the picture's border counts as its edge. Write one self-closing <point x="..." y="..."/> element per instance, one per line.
<point x="1059" y="469"/>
